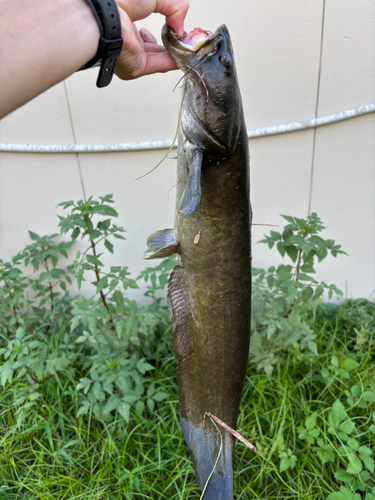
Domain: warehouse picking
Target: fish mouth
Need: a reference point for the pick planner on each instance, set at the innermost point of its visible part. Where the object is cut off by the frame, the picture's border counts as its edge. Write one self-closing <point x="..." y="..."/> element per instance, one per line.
<point x="194" y="45"/>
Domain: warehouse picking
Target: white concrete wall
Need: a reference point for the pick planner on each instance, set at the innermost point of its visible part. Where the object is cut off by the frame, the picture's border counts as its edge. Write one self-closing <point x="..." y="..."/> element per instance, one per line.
<point x="277" y="49"/>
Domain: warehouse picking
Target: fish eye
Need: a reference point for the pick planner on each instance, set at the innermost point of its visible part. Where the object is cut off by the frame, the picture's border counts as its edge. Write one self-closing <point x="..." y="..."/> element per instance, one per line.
<point x="225" y="59"/>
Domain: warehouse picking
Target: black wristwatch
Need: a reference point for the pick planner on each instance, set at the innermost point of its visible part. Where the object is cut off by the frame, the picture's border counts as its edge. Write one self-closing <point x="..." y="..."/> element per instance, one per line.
<point x="110" y="41"/>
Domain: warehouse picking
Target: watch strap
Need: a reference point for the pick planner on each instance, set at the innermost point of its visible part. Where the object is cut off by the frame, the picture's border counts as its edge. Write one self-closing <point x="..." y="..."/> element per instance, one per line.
<point x="110" y="41"/>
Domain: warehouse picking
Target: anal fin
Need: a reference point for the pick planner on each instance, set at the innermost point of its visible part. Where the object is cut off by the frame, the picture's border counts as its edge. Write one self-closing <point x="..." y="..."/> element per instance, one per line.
<point x="211" y="449"/>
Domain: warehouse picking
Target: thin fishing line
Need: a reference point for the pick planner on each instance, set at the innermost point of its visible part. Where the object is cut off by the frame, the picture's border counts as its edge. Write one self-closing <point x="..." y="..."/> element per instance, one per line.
<point x="216" y="461"/>
<point x="316" y="109"/>
<point x="174" y="139"/>
<point x="75" y="141"/>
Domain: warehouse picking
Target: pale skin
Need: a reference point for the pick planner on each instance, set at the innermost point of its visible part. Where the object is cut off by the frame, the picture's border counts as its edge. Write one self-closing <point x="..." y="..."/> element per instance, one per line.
<point x="45" y="41"/>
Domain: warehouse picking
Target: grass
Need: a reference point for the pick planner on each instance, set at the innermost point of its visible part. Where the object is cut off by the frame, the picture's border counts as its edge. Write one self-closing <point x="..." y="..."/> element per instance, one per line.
<point x="53" y="455"/>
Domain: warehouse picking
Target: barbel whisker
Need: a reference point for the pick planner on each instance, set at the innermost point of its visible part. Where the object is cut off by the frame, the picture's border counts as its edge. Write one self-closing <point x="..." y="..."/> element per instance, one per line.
<point x="190" y="69"/>
<point x="203" y="82"/>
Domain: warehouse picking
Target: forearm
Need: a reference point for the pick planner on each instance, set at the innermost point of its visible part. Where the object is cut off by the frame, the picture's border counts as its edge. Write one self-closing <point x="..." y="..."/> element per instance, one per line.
<point x="41" y="43"/>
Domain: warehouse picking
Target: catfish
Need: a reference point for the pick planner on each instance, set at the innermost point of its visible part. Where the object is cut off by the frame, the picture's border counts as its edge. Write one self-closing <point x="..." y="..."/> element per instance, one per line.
<point x="209" y="290"/>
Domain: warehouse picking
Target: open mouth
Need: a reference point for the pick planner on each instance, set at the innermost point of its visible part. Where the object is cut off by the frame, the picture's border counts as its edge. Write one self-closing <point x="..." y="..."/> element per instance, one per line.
<point x="194" y="40"/>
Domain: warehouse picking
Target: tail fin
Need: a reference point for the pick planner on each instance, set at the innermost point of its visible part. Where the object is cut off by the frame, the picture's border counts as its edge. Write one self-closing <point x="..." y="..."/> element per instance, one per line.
<point x="206" y="449"/>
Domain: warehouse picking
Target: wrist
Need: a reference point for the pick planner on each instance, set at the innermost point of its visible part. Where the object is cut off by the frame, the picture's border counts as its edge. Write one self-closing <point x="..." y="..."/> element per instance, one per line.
<point x="87" y="25"/>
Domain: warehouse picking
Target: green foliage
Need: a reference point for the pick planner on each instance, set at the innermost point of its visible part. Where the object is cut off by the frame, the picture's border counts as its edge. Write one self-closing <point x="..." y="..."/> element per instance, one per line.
<point x="102" y="347"/>
<point x="284" y="297"/>
<point x="88" y="398"/>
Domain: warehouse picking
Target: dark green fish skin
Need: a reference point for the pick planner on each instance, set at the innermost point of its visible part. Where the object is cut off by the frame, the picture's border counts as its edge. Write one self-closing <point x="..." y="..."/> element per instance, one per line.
<point x="209" y="291"/>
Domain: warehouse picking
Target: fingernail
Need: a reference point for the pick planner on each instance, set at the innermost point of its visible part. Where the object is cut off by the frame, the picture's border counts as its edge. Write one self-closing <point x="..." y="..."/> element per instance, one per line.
<point x="147" y="36"/>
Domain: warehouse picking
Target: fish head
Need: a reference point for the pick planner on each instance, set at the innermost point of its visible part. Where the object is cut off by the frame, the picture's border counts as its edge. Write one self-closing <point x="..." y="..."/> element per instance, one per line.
<point x="212" y="110"/>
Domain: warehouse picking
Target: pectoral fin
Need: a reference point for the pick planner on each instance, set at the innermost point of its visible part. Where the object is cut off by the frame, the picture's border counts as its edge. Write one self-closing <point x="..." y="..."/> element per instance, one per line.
<point x="163" y="244"/>
<point x="192" y="194"/>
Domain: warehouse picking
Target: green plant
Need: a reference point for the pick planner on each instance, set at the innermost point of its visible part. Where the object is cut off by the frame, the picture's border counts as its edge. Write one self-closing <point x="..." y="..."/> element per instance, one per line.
<point x="101" y="348"/>
<point x="114" y="328"/>
<point x="283" y="297"/>
<point x="312" y="420"/>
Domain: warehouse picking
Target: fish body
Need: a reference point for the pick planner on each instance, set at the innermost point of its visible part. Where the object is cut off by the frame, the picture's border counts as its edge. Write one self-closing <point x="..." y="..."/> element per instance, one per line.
<point x="209" y="290"/>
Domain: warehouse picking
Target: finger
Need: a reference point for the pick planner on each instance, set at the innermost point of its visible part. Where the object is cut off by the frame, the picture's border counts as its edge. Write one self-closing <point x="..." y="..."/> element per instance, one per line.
<point x="132" y="58"/>
<point x="174" y="11"/>
<point x="152" y="47"/>
<point x="147" y="37"/>
<point x="158" y="63"/>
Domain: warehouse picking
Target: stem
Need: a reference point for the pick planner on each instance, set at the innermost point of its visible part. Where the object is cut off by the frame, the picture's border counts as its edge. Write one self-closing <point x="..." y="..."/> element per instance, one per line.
<point x="17" y="325"/>
<point x="299" y="258"/>
<point x="49" y="284"/>
<point x="97" y="274"/>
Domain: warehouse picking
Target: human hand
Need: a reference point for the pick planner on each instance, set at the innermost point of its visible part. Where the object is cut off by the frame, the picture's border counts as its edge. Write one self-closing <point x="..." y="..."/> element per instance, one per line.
<point x="141" y="55"/>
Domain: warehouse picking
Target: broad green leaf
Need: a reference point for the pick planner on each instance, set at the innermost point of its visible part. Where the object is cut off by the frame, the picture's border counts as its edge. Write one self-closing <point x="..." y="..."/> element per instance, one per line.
<point x="275" y="235"/>
<point x="96" y="389"/>
<point x="296" y="239"/>
<point x="310" y="421"/>
<point x="307" y="293"/>
<point x="337" y="414"/>
<point x="334" y="361"/>
<point x="368" y="462"/>
<point x="139" y="407"/>
<point x="38" y="370"/>
<point x="342" y="475"/>
<point x="344" y="494"/>
<point x="349" y="364"/>
<point x="292" y="292"/>
<point x="83" y="410"/>
<point x="288" y="218"/>
<point x="292" y="252"/>
<point x="369" y="396"/>
<point x="271" y="330"/>
<point x="113" y="402"/>
<point x="160" y="396"/>
<point x="20" y="333"/>
<point x="104" y="210"/>
<point x="34" y="236"/>
<point x="130" y="398"/>
<point x="92" y="259"/>
<point x="313" y="347"/>
<point x="281" y="247"/>
<point x="124" y="410"/>
<point x="108" y="245"/>
<point x="356" y="391"/>
<point x="287" y="233"/>
<point x="287" y="463"/>
<point x="347" y="427"/>
<point x="326" y="453"/>
<point x="353" y="443"/>
<point x="355" y="465"/>
<point x="150" y="404"/>
<point x="270" y="281"/>
<point x="151" y="389"/>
